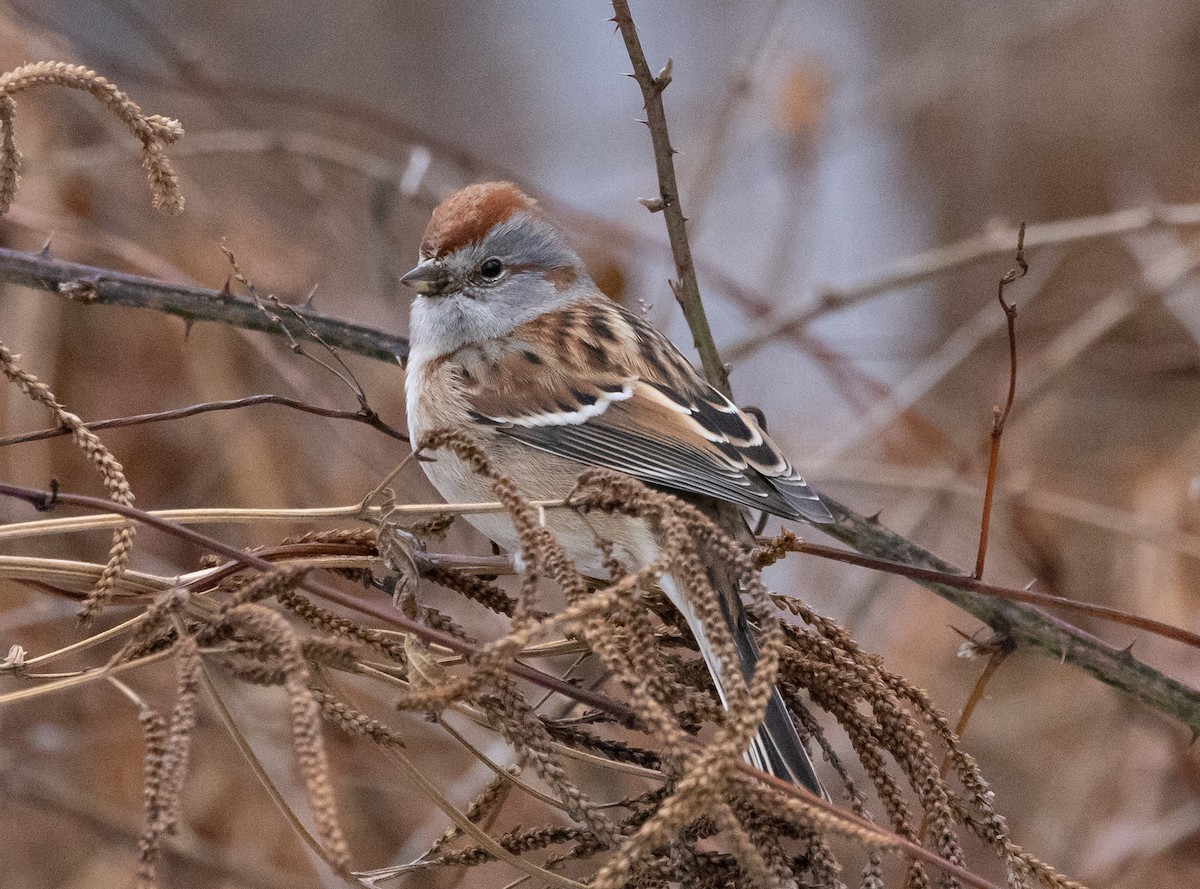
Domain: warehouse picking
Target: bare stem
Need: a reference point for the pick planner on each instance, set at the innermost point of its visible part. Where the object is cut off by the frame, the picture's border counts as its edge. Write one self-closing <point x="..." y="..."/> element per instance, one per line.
<point x="1000" y="417"/>
<point x="368" y="417"/>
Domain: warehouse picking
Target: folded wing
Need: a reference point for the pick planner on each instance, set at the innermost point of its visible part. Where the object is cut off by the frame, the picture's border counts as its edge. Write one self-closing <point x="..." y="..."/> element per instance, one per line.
<point x="621" y="396"/>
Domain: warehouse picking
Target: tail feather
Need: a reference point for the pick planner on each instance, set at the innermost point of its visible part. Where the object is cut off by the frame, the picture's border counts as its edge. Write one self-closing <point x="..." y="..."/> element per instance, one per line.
<point x="777" y="748"/>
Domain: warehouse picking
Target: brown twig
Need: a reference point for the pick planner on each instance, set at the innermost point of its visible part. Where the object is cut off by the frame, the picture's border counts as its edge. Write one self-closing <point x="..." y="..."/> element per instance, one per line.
<point x="975" y="585"/>
<point x="275" y="310"/>
<point x="89" y="284"/>
<point x="686" y="288"/>
<point x="192" y="410"/>
<point x="1000" y="417"/>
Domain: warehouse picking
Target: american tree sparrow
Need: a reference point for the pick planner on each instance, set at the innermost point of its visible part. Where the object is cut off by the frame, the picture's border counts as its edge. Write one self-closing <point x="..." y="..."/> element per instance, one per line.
<point x="513" y="344"/>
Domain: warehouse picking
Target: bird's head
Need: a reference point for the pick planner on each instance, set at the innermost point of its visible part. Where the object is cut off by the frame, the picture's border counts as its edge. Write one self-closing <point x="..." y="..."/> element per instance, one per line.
<point x="489" y="262"/>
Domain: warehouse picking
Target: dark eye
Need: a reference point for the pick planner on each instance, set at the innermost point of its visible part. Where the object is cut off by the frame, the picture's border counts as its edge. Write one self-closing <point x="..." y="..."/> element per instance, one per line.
<point x="491" y="269"/>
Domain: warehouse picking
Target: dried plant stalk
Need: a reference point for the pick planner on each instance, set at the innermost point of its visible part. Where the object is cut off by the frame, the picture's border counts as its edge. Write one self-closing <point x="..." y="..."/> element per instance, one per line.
<point x="154" y="131"/>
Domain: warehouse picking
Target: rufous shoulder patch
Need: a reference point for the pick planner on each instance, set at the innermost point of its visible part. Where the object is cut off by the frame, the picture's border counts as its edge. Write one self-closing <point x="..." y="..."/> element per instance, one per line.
<point x="468" y="214"/>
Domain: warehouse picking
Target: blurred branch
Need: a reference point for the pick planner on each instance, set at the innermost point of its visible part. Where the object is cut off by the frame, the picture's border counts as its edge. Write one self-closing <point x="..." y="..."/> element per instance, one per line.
<point x="715" y="148"/>
<point x="994" y="242"/>
<point x="687" y="289"/>
<point x="92" y="285"/>
<point x="202" y="861"/>
<point x="901" y="396"/>
<point x="1163" y="276"/>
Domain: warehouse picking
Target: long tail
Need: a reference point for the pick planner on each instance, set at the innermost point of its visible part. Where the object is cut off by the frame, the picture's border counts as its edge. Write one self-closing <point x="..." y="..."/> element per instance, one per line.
<point x="776" y="748"/>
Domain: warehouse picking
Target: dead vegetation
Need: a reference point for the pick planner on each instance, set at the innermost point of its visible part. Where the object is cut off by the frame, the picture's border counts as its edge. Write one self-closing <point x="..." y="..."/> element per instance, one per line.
<point x="631" y="778"/>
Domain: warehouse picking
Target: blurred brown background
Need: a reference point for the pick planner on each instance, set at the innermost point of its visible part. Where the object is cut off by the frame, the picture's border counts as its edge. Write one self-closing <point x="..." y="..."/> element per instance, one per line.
<point x="824" y="145"/>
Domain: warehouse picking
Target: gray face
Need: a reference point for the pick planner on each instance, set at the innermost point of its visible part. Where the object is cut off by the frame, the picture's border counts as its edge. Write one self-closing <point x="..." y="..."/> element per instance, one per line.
<point x="482" y="290"/>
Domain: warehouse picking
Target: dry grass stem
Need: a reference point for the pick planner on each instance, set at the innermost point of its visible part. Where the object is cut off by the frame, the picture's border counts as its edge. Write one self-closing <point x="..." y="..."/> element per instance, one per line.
<point x="111" y="471"/>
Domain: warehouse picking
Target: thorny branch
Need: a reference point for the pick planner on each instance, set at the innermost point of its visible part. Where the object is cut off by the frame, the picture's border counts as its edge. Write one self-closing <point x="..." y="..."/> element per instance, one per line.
<point x="89" y="284"/>
<point x="1027" y="626"/>
<point x="686" y="288"/>
<point x="788" y="542"/>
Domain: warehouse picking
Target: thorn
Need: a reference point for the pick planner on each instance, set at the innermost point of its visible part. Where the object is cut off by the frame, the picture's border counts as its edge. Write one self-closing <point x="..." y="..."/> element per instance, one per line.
<point x="968" y="637"/>
<point x="631" y="76"/>
<point x="44" y="253"/>
<point x="874" y="519"/>
<point x="308" y="300"/>
<point x="645" y="122"/>
<point x="47" y="502"/>
<point x="188" y="323"/>
<point x="654" y="205"/>
<point x="225" y="291"/>
<point x="1029" y="585"/>
<point x="1127" y="651"/>
<point x="1195" y="737"/>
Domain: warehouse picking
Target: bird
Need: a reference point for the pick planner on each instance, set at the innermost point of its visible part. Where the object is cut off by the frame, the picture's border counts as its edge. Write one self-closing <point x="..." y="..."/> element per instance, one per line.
<point x="514" y="346"/>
